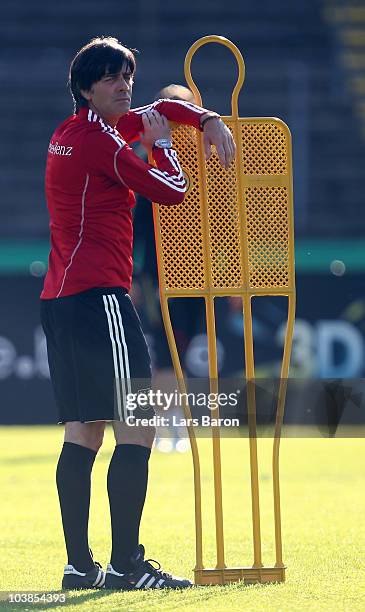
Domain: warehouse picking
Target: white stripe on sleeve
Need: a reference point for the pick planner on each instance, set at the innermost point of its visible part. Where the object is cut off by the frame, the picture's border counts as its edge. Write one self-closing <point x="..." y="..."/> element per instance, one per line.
<point x="189" y="105"/>
<point x="172" y="157"/>
<point x="178" y="180"/>
<point x="142" y="109"/>
<point x="167" y="180"/>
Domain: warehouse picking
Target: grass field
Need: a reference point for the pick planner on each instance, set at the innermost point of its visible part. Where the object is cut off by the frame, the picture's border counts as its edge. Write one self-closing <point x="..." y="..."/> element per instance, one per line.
<point x="323" y="507"/>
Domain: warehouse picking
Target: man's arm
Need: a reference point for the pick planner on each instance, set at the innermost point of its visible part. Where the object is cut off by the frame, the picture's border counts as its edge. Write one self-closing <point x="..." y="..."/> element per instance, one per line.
<point x="215" y="131"/>
<point x="110" y="155"/>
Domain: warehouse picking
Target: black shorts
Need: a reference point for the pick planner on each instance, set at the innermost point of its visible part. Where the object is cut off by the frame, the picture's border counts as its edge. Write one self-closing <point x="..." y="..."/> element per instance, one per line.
<point x="97" y="354"/>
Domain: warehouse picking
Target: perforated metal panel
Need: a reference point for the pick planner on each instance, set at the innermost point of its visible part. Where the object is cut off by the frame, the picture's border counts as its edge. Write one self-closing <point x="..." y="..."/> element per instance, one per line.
<point x="267" y="236"/>
<point x="265" y="150"/>
<point x="181" y="226"/>
<point x="224" y="251"/>
<point x="234" y="229"/>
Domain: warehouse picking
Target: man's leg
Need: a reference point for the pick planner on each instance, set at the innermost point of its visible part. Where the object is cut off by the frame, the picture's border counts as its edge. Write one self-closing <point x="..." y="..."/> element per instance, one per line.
<point x="127" y="486"/>
<point x="73" y="476"/>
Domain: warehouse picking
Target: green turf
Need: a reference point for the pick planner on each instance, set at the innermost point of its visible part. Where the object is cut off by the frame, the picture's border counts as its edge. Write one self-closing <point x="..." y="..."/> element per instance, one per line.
<point x="323" y="504"/>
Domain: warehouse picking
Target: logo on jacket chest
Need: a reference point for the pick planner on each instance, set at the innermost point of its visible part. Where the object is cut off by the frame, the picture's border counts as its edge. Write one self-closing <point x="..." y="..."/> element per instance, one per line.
<point x="56" y="149"/>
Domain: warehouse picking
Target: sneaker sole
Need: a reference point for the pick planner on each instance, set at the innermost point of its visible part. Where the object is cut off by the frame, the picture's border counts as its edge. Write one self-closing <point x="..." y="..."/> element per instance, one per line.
<point x="114" y="583"/>
<point x="77" y="583"/>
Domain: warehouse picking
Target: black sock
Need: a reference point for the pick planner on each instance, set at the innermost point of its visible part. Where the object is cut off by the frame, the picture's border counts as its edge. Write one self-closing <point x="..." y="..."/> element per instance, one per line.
<point x="73" y="479"/>
<point x="127" y="486"/>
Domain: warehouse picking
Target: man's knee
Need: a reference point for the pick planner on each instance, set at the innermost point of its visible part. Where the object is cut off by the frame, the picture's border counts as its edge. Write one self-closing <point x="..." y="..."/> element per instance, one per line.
<point x="128" y="434"/>
<point x="90" y="435"/>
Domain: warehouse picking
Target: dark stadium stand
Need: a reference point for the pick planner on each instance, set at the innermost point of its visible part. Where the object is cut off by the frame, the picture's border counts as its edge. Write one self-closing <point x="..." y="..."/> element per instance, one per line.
<point x="297" y="58"/>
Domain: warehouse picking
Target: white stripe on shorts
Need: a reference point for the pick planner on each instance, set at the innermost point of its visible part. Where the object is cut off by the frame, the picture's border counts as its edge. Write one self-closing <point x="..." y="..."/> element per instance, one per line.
<point x="115" y="359"/>
<point x="119" y="373"/>
<point x="127" y="371"/>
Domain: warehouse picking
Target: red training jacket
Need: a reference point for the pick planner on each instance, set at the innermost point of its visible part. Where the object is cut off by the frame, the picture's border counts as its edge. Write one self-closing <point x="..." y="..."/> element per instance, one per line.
<point x="91" y="174"/>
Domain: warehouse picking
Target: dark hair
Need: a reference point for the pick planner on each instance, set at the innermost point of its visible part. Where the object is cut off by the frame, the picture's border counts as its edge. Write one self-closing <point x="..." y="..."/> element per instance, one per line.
<point x="102" y="55"/>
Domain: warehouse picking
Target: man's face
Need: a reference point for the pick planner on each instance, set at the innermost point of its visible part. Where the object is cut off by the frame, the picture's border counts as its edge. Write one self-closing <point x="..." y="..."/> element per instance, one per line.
<point x="111" y="96"/>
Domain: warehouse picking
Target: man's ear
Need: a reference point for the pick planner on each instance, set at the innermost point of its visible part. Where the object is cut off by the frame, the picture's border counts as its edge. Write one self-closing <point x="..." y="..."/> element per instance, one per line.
<point x="87" y="94"/>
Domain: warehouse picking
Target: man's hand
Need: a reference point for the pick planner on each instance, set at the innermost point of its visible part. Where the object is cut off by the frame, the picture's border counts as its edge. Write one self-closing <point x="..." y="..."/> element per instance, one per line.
<point x="155" y="126"/>
<point x="216" y="133"/>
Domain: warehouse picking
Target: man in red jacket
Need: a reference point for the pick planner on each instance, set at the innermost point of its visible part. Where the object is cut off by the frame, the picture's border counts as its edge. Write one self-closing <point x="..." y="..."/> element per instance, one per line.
<point x="96" y="348"/>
